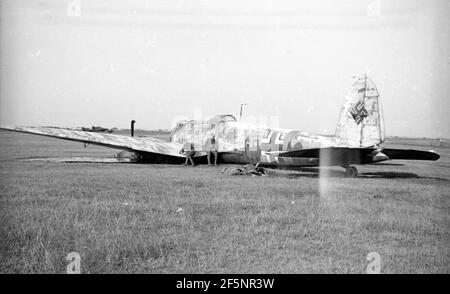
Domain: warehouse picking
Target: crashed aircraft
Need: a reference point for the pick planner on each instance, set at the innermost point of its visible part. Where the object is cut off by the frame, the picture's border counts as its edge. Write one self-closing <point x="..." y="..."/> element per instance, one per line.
<point x="357" y="140"/>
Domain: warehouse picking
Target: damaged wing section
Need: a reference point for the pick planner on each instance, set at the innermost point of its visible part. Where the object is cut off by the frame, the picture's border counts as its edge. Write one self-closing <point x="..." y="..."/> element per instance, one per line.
<point x="148" y="149"/>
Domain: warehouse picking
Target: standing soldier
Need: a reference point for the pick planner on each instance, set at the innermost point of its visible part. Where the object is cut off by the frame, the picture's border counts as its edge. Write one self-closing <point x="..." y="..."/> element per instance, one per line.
<point x="189" y="150"/>
<point x="211" y="148"/>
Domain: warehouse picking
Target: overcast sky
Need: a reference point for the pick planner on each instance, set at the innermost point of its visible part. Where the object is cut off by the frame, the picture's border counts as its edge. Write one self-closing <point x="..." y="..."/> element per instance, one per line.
<point x="82" y="63"/>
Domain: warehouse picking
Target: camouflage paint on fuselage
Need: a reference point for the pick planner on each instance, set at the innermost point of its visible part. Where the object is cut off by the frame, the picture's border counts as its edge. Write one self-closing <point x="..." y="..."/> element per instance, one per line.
<point x="240" y="142"/>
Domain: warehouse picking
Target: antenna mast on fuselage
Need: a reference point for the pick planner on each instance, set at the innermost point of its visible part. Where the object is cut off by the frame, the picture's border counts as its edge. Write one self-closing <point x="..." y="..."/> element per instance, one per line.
<point x="363" y="103"/>
<point x="240" y="114"/>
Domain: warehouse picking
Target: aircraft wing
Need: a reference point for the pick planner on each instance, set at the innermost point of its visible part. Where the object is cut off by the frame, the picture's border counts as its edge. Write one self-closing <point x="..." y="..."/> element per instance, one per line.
<point x="410" y="154"/>
<point x="346" y="155"/>
<point x="148" y="145"/>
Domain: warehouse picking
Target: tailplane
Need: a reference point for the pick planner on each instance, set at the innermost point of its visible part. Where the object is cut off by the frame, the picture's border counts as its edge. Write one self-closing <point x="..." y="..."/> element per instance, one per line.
<point x="361" y="122"/>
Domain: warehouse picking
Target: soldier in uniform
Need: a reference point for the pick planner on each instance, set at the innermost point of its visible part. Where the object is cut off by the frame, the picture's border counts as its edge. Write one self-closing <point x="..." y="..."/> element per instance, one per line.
<point x="189" y="150"/>
<point x="211" y="148"/>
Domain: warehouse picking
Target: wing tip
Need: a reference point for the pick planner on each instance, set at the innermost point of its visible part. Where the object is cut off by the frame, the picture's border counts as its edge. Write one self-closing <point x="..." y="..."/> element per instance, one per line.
<point x="7" y="128"/>
<point x="434" y="156"/>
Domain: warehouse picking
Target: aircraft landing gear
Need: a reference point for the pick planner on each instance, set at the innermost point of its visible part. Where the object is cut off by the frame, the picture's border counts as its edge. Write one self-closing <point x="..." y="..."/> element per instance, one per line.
<point x="351" y="171"/>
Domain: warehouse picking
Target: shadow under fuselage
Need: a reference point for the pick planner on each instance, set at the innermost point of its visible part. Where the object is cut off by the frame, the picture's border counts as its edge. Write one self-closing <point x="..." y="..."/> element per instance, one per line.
<point x="315" y="172"/>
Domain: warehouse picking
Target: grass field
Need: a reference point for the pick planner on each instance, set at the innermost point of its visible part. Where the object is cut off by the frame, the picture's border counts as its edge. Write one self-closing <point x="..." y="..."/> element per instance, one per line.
<point x="136" y="218"/>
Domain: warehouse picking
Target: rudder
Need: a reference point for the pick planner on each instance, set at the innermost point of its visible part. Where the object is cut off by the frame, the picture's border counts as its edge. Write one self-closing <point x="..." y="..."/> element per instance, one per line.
<point x="361" y="122"/>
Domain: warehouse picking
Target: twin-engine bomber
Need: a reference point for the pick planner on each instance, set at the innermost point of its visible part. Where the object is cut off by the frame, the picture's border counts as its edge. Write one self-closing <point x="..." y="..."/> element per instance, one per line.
<point x="357" y="140"/>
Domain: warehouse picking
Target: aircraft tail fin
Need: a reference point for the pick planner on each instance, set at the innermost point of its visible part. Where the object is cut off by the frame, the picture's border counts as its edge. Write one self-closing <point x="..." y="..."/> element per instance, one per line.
<point x="361" y="122"/>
